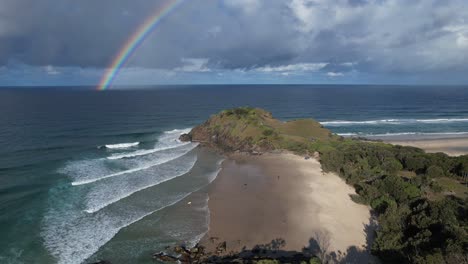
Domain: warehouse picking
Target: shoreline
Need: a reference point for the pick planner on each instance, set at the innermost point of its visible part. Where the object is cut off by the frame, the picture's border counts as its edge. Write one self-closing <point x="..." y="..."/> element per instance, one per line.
<point x="284" y="201"/>
<point x="450" y="146"/>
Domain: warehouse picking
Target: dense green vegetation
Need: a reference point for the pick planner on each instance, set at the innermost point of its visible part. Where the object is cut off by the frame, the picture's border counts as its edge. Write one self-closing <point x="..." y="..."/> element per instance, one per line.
<point x="418" y="197"/>
<point x="421" y="221"/>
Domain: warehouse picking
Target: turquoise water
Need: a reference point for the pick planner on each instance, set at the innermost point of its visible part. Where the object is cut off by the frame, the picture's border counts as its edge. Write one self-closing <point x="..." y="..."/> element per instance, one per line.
<point x="87" y="175"/>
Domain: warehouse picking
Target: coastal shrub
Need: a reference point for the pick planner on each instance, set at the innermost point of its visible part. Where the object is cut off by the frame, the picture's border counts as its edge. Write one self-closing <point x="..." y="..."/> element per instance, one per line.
<point x="461" y="165"/>
<point x="294" y="146"/>
<point x="367" y="191"/>
<point x="394" y="186"/>
<point x="381" y="204"/>
<point x="391" y="165"/>
<point x="416" y="163"/>
<point x="358" y="199"/>
<point x="267" y="261"/>
<point x="315" y="261"/>
<point x="242" y="111"/>
<point x="436" y="187"/>
<point x="412" y="228"/>
<point x="332" y="160"/>
<point x="441" y="160"/>
<point x="268" y="132"/>
<point x="436" y="258"/>
<point x="434" y="171"/>
<point x="227" y="112"/>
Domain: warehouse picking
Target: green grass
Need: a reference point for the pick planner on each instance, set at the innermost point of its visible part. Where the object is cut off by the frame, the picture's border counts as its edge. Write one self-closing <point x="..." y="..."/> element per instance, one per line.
<point x="453" y="185"/>
<point x="257" y="126"/>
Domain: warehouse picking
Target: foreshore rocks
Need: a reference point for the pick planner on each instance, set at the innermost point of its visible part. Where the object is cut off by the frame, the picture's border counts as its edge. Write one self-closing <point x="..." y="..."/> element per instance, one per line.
<point x="197" y="254"/>
<point x="185" y="137"/>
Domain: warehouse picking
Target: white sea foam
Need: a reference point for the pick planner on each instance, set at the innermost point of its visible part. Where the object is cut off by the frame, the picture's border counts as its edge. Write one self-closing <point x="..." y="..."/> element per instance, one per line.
<point x="168" y="140"/>
<point x="145" y="165"/>
<point x="90" y="170"/>
<point x="73" y="236"/>
<point x="122" y="145"/>
<point x="442" y="120"/>
<point x="81" y="219"/>
<point x="367" y="122"/>
<point x="111" y="190"/>
<point x="77" y="237"/>
<point x="144" y="152"/>
<point x="404" y="134"/>
<point x="347" y="134"/>
<point x="392" y="121"/>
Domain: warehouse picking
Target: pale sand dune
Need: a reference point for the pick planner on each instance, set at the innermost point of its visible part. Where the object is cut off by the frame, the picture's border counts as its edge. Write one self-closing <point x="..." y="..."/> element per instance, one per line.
<point x="258" y="199"/>
<point x="451" y="146"/>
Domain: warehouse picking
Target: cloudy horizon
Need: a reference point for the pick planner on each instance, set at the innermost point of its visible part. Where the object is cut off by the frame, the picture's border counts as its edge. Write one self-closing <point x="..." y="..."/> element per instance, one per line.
<point x="46" y="42"/>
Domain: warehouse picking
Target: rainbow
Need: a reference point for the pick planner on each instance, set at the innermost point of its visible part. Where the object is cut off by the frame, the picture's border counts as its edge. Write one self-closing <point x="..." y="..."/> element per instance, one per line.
<point x="135" y="41"/>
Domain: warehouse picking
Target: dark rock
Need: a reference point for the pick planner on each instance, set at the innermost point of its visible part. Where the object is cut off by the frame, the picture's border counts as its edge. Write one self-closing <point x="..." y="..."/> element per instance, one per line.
<point x="221" y="247"/>
<point x="213" y="239"/>
<point x="185" y="137"/>
<point x="181" y="250"/>
<point x="162" y="256"/>
<point x="101" y="262"/>
<point x="198" y="250"/>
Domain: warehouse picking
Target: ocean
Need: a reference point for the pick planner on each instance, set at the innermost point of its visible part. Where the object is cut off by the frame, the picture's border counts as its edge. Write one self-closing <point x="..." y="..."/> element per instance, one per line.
<point x="88" y="175"/>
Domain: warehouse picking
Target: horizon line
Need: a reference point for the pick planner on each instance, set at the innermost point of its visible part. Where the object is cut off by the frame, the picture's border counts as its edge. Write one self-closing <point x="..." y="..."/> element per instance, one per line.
<point x="136" y="86"/>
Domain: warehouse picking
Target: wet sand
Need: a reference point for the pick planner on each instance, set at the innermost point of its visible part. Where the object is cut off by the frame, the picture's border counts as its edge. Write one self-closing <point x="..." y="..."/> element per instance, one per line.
<point x="451" y="146"/>
<point x="257" y="199"/>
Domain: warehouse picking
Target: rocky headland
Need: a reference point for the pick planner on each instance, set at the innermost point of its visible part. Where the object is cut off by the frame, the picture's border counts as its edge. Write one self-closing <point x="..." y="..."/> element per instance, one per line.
<point x="254" y="130"/>
<point x="399" y="184"/>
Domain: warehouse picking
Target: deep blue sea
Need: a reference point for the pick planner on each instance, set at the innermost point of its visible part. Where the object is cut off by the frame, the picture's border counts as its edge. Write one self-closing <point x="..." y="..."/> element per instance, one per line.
<point x="88" y="175"/>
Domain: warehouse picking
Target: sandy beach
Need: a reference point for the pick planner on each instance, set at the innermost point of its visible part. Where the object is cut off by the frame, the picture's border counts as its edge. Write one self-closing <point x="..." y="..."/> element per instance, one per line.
<point x="282" y="197"/>
<point x="451" y="146"/>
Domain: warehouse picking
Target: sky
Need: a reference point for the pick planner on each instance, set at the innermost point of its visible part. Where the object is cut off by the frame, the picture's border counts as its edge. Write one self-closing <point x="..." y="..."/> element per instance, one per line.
<point x="69" y="42"/>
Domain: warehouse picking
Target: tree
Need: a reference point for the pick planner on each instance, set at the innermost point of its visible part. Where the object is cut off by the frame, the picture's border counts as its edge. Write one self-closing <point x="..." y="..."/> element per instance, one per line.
<point x="434" y="171"/>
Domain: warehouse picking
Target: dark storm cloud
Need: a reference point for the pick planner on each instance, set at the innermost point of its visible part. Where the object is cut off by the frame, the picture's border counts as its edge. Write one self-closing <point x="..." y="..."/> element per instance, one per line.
<point x="385" y="36"/>
<point x="67" y="32"/>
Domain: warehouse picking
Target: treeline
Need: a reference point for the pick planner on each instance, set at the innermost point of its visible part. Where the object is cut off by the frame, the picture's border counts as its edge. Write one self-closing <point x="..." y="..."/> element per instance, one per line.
<point x="418" y="223"/>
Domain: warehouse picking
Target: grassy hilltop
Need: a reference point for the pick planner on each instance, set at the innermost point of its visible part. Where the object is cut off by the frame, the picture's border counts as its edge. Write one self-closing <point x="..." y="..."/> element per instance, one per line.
<point x="253" y="129"/>
<point x="420" y="198"/>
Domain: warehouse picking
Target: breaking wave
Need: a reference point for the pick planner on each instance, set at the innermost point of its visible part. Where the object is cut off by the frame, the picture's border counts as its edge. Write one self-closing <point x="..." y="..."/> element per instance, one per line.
<point x="110" y="194"/>
<point x="158" y="161"/>
<point x="121" y="145"/>
<point x="111" y="190"/>
<point x="393" y="121"/>
<point x="403" y="134"/>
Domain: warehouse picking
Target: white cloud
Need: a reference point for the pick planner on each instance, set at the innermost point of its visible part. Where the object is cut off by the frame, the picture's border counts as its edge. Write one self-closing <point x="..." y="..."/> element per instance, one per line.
<point x="51" y="70"/>
<point x="194" y="65"/>
<point x="349" y="64"/>
<point x="299" y="67"/>
<point x="335" y="74"/>
<point x="461" y="32"/>
<point x="402" y="36"/>
<point x="462" y="40"/>
<point x="312" y="14"/>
